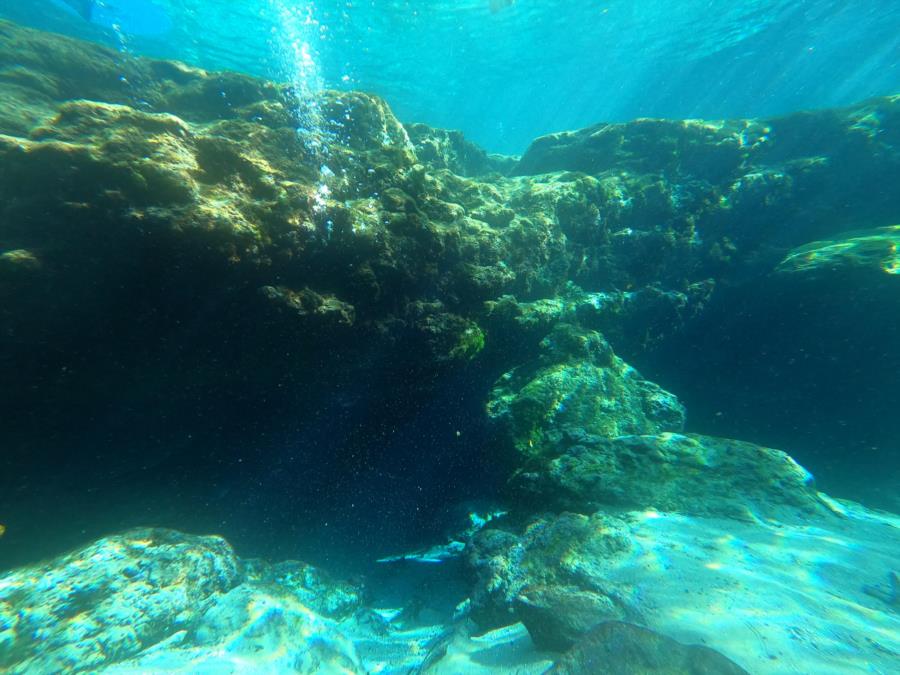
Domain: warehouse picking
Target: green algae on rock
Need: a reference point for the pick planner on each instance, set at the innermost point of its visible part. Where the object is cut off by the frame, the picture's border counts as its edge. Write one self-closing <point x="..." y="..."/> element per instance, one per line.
<point x="578" y="385"/>
<point x="360" y="230"/>
<point x="446" y="149"/>
<point x="690" y="474"/>
<point x="150" y="208"/>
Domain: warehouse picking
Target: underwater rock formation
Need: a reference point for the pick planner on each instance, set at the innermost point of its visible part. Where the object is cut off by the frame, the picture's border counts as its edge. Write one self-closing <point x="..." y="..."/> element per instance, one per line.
<point x="578" y="386"/>
<point x="769" y="596"/>
<point x="110" y="600"/>
<point x="158" y="600"/>
<point x="808" y="169"/>
<point x="447" y="149"/>
<point x="532" y="579"/>
<point x="691" y="474"/>
<point x="314" y="588"/>
<point x="261" y="629"/>
<point x="148" y="203"/>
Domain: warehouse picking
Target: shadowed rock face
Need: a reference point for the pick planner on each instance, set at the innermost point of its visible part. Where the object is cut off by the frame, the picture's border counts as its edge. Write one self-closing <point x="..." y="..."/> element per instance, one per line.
<point x="668" y="472"/>
<point x="614" y="647"/>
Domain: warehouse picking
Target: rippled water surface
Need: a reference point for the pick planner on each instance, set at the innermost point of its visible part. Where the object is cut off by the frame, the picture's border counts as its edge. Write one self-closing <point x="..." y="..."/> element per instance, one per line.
<point x="507" y="72"/>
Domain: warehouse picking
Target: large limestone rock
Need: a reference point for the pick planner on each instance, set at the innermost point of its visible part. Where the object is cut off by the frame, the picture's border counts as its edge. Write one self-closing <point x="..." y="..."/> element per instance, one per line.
<point x="801" y="173"/>
<point x="156" y="600"/>
<point x="690" y="147"/>
<point x="313" y="587"/>
<point x="110" y="600"/>
<point x="260" y="629"/>
<point x="693" y="474"/>
<point x="225" y="187"/>
<point x="446" y="149"/>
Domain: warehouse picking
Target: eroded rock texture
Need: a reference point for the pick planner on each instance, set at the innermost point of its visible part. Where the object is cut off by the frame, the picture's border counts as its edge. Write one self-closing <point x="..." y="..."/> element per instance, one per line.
<point x="157" y="600"/>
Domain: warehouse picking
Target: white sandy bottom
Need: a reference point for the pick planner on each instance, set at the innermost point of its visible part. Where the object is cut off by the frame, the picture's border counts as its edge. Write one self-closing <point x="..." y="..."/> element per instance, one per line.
<point x="774" y="598"/>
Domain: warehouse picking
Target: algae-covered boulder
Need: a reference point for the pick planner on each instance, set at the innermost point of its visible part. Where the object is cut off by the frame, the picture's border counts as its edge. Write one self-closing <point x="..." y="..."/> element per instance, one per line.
<point x="808" y="169"/>
<point x="447" y="149"/>
<point x="589" y="432"/>
<point x="631" y="321"/>
<point x="110" y="600"/>
<point x="691" y="147"/>
<point x="313" y="587"/>
<point x="578" y="385"/>
<point x="692" y="474"/>
<point x="537" y="577"/>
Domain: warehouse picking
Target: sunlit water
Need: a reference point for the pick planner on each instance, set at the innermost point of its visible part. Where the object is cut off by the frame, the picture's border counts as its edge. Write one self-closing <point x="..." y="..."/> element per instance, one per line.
<point x="505" y="73"/>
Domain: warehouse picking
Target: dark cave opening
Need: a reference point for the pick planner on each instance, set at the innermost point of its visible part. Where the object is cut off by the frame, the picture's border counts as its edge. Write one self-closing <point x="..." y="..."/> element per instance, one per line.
<point x="332" y="464"/>
<point x="177" y="398"/>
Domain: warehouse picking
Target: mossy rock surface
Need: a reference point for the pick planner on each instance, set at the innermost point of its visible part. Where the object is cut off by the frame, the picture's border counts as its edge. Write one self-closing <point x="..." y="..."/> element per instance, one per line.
<point x="577" y="385"/>
<point x="690" y="474"/>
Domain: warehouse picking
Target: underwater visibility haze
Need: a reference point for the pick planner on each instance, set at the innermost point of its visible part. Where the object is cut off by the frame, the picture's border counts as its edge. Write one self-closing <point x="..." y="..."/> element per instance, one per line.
<point x="474" y="336"/>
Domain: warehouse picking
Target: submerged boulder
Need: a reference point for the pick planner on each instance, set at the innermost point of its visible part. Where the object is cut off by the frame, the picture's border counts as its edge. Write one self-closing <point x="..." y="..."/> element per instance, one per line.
<point x="684" y="473"/>
<point x="313" y="587"/>
<point x="691" y="147"/>
<point x="447" y="149"/>
<point x="110" y="600"/>
<point x="238" y="252"/>
<point x="155" y="600"/>
<point x="537" y="577"/>
<point x="252" y="628"/>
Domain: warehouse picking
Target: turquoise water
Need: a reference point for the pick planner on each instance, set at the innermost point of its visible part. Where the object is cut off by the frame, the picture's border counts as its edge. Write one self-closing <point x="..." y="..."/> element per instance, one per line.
<point x="505" y="74"/>
<point x="474" y="336"/>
